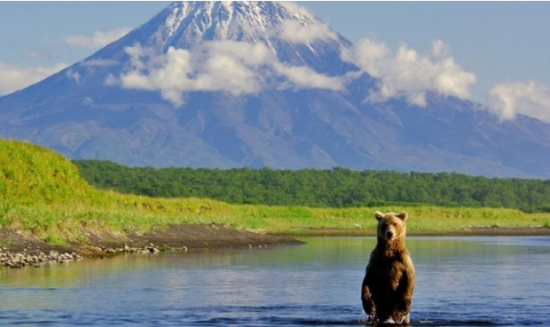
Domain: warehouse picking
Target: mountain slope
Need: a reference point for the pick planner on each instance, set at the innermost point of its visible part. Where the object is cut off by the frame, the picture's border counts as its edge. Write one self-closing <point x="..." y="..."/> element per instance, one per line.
<point x="229" y="84"/>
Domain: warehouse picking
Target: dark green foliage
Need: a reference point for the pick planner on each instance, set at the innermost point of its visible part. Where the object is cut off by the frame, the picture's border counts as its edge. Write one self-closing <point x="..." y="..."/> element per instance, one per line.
<point x="338" y="187"/>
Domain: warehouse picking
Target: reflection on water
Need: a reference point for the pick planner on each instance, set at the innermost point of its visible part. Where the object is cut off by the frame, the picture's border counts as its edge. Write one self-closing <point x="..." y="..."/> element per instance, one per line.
<point x="460" y="282"/>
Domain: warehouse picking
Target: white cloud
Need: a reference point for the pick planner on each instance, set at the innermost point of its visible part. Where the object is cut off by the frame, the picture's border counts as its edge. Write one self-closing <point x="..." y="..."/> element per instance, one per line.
<point x="527" y="98"/>
<point x="301" y="77"/>
<point x="439" y="48"/>
<point x="215" y="67"/>
<point x="97" y="40"/>
<point x="111" y="80"/>
<point x="75" y="76"/>
<point x="367" y="55"/>
<point x="13" y="77"/>
<point x="233" y="67"/>
<point x="296" y="32"/>
<point x="408" y="74"/>
<point x="88" y="102"/>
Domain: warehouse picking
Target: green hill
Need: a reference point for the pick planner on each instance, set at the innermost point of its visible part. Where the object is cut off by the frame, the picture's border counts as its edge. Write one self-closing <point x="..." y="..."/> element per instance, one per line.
<point x="43" y="194"/>
<point x="31" y="174"/>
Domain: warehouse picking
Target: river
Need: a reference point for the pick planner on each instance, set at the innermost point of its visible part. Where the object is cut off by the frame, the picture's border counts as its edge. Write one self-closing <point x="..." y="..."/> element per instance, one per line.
<point x="461" y="281"/>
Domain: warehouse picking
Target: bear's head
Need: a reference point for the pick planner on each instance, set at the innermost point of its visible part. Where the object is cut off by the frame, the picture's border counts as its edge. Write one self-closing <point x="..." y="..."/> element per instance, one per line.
<point x="391" y="226"/>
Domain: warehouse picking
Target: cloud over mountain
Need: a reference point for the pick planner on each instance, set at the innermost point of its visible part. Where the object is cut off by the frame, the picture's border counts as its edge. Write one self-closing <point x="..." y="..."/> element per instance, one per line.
<point x="527" y="98"/>
<point x="405" y="72"/>
<point x="297" y="32"/>
<point x="233" y="67"/>
<point x="409" y="74"/>
<point x="14" y="77"/>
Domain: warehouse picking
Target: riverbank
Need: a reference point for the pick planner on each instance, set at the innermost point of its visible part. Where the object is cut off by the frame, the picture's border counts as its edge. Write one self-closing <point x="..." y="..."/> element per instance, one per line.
<point x="47" y="210"/>
<point x="18" y="250"/>
<point x="474" y="231"/>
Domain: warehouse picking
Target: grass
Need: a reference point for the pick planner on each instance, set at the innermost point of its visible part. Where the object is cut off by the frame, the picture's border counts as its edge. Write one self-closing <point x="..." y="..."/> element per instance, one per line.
<point x="71" y="221"/>
<point x="42" y="194"/>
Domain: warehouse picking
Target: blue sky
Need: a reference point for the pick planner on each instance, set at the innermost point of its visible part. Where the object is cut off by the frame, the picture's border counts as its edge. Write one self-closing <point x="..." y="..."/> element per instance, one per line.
<point x="504" y="44"/>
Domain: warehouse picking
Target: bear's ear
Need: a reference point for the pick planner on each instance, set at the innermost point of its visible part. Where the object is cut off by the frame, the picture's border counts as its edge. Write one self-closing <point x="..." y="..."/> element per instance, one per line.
<point x="378" y="215"/>
<point x="403" y="215"/>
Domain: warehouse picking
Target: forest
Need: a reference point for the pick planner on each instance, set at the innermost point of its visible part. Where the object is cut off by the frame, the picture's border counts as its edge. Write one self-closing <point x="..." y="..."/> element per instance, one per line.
<point x="337" y="187"/>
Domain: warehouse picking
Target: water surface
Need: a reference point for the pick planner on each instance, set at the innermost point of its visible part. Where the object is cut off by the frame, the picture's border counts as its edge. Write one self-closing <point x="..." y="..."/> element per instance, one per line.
<point x="461" y="281"/>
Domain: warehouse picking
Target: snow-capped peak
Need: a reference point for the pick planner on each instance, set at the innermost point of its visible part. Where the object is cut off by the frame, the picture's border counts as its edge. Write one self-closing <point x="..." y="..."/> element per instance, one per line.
<point x="235" y="47"/>
<point x="184" y="24"/>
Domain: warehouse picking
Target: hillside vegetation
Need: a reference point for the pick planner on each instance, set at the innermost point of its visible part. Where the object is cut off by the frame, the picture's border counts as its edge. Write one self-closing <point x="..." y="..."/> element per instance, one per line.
<point x="337" y="188"/>
<point x="31" y="174"/>
<point x="42" y="194"/>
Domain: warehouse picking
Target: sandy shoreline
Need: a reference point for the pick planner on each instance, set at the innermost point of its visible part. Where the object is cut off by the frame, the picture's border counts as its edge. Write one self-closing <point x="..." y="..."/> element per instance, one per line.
<point x="19" y="250"/>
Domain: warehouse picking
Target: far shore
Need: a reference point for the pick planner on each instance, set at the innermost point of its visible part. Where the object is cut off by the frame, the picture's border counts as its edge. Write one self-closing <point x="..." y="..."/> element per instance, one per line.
<point x="474" y="231"/>
<point x="14" y="244"/>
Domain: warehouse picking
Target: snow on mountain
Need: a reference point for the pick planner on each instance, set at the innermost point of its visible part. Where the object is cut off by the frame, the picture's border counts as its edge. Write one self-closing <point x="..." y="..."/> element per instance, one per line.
<point x="235" y="47"/>
<point x="230" y="84"/>
<point x="193" y="22"/>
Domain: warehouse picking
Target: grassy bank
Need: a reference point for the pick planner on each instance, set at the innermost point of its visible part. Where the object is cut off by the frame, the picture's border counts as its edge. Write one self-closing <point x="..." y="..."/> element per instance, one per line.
<point x="73" y="221"/>
<point x="42" y="194"/>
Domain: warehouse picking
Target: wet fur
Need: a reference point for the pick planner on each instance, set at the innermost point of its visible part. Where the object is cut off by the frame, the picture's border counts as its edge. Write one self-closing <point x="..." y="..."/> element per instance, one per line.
<point x="388" y="285"/>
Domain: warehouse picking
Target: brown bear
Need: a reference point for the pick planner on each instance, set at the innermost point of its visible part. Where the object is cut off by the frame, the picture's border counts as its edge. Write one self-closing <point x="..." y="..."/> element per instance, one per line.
<point x="388" y="285"/>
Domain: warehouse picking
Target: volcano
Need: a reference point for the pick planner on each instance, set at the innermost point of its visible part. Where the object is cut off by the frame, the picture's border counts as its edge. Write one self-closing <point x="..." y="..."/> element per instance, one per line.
<point x="258" y="84"/>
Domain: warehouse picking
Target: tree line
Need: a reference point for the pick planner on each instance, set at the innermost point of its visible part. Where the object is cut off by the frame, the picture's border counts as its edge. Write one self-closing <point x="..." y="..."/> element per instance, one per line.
<point x="337" y="187"/>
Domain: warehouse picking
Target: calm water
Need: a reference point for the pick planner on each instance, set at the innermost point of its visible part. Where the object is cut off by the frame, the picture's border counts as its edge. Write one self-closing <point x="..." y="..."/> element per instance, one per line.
<point x="485" y="281"/>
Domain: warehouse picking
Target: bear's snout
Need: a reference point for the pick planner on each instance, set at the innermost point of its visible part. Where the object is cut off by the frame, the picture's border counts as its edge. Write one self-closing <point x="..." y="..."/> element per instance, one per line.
<point x="389" y="232"/>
